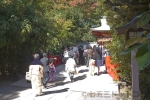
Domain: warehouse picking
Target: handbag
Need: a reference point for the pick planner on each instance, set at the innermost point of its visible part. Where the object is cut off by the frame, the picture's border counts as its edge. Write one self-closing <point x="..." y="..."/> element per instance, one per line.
<point x="27" y="77"/>
<point x="75" y="72"/>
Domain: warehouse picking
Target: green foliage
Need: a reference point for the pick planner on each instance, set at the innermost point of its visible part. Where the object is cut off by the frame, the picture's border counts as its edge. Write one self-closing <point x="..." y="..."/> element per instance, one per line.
<point x="30" y="25"/>
<point x="143" y="53"/>
<point x="145" y="83"/>
<point x="88" y="37"/>
<point x="115" y="48"/>
<point x="145" y="18"/>
<point x="142" y="56"/>
<point x="135" y="46"/>
<point x="143" y="41"/>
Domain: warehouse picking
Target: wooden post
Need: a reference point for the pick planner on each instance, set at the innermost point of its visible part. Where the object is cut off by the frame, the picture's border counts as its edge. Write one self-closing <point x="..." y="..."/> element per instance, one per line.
<point x="135" y="77"/>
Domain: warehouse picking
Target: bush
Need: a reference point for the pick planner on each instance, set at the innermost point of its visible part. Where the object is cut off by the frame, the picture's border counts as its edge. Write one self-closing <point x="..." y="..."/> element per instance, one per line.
<point x="115" y="47"/>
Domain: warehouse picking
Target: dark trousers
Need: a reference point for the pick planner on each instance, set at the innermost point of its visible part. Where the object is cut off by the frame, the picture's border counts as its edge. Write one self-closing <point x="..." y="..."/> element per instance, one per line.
<point x="71" y="75"/>
<point x="81" y="59"/>
<point x="45" y="78"/>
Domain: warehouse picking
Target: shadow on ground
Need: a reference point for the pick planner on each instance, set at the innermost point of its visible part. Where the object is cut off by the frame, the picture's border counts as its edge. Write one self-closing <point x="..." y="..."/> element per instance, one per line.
<point x="103" y="73"/>
<point x="82" y="71"/>
<point x="55" y="91"/>
<point x="57" y="84"/>
<point x="78" y="78"/>
<point x="10" y="92"/>
<point x="61" y="83"/>
<point x="60" y="77"/>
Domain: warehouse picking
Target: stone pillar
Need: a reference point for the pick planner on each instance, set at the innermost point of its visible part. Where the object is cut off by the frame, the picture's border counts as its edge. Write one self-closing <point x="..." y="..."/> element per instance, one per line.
<point x="135" y="77"/>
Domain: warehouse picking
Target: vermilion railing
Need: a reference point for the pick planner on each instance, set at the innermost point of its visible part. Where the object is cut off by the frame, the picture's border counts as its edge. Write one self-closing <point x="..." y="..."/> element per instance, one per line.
<point x="111" y="68"/>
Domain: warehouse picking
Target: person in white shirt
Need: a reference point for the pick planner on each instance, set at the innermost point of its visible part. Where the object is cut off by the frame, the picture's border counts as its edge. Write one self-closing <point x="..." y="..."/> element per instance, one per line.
<point x="71" y="67"/>
<point x="66" y="56"/>
<point x="92" y="65"/>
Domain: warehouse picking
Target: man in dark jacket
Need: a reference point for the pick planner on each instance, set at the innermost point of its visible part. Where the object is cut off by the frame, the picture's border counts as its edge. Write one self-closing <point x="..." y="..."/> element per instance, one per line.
<point x="81" y="55"/>
<point x="97" y="57"/>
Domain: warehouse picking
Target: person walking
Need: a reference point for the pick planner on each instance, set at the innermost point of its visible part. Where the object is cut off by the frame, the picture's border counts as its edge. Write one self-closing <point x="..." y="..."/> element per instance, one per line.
<point x="71" y="52"/>
<point x="103" y="54"/>
<point x="81" y="58"/>
<point x="44" y="60"/>
<point x="52" y="70"/>
<point x="71" y="67"/>
<point x="89" y="53"/>
<point x="92" y="64"/>
<point x="97" y="57"/>
<point x="46" y="72"/>
<point x="66" y="56"/>
<point x="36" y="74"/>
<point x="85" y="55"/>
<point x="76" y="53"/>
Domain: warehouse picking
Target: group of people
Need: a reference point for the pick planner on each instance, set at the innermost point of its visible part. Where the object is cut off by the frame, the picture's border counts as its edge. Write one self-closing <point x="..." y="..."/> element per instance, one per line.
<point x="90" y="56"/>
<point x="96" y="58"/>
<point x="76" y="52"/>
<point x="41" y="71"/>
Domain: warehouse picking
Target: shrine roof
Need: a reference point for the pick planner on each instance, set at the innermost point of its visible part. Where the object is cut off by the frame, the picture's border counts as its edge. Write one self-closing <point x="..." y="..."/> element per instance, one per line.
<point x="103" y="30"/>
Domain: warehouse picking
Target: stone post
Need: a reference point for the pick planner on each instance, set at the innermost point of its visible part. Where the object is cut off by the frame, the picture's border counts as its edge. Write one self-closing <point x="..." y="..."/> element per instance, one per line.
<point x="135" y="77"/>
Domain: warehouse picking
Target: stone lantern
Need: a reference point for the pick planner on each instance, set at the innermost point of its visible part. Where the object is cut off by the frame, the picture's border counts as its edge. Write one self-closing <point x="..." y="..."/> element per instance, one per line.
<point x="130" y="30"/>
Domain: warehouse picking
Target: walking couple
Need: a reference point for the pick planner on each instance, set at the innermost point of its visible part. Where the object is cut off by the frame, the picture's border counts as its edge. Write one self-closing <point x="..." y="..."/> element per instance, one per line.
<point x="96" y="60"/>
<point x="39" y="72"/>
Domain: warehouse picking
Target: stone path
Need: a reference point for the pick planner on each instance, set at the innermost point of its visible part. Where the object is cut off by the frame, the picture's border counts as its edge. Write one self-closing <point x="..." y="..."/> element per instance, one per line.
<point x="85" y="87"/>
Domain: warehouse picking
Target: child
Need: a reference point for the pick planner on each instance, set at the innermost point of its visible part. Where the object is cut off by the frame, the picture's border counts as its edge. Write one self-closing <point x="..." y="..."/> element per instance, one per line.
<point x="52" y="71"/>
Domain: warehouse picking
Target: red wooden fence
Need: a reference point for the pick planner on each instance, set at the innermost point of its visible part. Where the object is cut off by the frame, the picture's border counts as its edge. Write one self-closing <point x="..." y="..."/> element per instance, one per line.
<point x="111" y="68"/>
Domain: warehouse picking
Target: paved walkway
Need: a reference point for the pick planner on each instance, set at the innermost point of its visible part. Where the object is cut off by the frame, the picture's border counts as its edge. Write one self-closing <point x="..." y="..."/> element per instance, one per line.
<point x="83" y="88"/>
